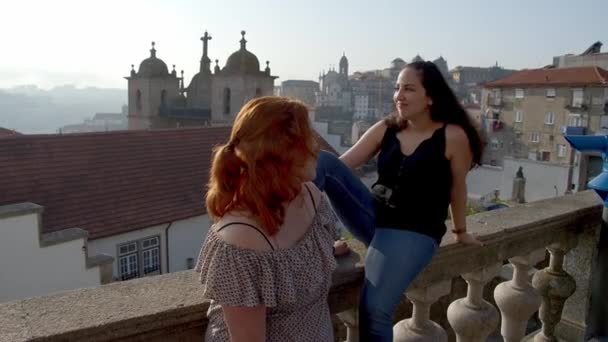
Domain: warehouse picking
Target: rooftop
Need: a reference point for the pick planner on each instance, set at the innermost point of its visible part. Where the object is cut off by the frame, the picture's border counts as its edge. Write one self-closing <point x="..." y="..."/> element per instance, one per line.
<point x="111" y="182"/>
<point x="5" y="132"/>
<point x="588" y="75"/>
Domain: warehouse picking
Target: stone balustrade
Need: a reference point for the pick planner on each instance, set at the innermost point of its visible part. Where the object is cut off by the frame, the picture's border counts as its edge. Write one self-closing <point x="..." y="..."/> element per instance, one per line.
<point x="169" y="307"/>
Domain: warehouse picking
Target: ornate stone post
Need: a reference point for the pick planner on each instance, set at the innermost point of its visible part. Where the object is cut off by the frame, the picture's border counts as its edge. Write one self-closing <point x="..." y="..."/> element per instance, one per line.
<point x="555" y="286"/>
<point x="420" y="328"/>
<point x="517" y="299"/>
<point x="473" y="318"/>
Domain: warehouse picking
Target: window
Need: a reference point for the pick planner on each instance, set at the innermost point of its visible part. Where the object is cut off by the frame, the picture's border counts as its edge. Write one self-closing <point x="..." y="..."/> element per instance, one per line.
<point x="226" y="101"/>
<point x="577" y="97"/>
<point x="549" y="118"/>
<point x="163" y="98"/>
<point x="561" y="150"/>
<point x="127" y="261"/>
<point x="139" y="258"/>
<point x="258" y="92"/>
<point x="519" y="116"/>
<point x="575" y="120"/>
<point x="550" y="93"/>
<point x="535" y="137"/>
<point x="138" y="100"/>
<point x="519" y="93"/>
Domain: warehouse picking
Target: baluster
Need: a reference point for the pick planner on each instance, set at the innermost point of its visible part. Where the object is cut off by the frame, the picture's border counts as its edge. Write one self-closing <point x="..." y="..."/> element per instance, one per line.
<point x="420" y="328"/>
<point x="472" y="318"/>
<point x="517" y="299"/>
<point x="555" y="286"/>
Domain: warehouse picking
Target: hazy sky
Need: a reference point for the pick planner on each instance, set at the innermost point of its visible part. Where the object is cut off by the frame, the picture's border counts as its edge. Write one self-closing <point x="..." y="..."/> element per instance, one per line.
<point x="94" y="42"/>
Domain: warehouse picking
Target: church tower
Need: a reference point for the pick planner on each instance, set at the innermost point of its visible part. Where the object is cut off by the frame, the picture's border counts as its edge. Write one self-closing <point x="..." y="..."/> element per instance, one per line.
<point x="344" y="65"/>
<point x="238" y="82"/>
<point x="199" y="90"/>
<point x="150" y="89"/>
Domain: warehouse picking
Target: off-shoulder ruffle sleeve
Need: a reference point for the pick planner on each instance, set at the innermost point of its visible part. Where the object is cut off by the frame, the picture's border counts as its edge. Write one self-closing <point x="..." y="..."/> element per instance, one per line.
<point x="237" y="276"/>
<point x="328" y="218"/>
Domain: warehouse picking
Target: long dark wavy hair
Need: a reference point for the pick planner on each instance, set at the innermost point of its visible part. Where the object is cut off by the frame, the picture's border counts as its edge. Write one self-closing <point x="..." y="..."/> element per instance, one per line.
<point x="444" y="108"/>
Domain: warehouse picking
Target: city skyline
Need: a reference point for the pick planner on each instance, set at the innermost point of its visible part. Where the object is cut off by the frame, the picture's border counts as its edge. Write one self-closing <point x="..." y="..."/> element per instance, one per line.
<point x="94" y="45"/>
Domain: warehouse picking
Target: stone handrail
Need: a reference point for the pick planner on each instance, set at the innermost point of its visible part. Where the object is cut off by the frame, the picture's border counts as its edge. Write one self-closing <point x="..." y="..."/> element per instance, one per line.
<point x="170" y="307"/>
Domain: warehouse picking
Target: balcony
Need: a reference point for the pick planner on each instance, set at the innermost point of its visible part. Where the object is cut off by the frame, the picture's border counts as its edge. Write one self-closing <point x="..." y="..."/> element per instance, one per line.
<point x="495" y="101"/>
<point x="577" y="106"/>
<point x="496" y="125"/>
<point x="457" y="290"/>
<point x="574" y="130"/>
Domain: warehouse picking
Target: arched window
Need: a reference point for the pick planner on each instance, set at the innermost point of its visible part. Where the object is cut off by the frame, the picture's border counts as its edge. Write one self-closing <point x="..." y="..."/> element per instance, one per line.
<point x="226" y="101"/>
<point x="163" y="98"/>
<point x="258" y="92"/>
<point x="138" y="100"/>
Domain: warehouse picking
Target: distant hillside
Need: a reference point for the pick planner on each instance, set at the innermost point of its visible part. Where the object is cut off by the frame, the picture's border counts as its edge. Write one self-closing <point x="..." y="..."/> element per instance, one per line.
<point x="29" y="109"/>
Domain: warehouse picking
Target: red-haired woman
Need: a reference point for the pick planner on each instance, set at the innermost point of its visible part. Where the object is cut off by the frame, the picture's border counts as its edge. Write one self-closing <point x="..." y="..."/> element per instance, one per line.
<point x="266" y="263"/>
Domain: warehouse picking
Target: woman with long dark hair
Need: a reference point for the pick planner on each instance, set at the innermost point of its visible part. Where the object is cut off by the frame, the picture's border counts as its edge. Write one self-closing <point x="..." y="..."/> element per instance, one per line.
<point x="425" y="150"/>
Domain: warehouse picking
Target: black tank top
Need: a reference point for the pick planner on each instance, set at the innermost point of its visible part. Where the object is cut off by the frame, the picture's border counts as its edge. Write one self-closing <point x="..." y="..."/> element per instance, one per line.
<point x="417" y="186"/>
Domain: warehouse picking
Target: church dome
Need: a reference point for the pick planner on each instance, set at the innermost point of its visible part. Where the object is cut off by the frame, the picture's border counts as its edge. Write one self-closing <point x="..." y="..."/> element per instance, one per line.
<point x="439" y="60"/>
<point x="242" y="61"/>
<point x="397" y="63"/>
<point x="417" y="58"/>
<point x="153" y="66"/>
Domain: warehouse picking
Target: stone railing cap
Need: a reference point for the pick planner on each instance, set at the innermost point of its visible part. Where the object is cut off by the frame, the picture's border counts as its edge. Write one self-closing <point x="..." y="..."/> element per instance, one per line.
<point x="19" y="209"/>
<point x="64" y="235"/>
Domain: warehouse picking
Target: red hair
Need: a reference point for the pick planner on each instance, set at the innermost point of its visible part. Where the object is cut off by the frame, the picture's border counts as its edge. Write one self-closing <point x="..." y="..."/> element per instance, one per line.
<point x="258" y="169"/>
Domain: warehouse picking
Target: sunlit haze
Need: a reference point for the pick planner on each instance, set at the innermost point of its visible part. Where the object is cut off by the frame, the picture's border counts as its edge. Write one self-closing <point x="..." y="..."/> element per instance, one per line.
<point x="50" y="43"/>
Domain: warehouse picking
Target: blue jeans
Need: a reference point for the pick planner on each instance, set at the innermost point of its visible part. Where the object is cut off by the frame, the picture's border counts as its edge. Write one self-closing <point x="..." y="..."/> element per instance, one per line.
<point x="394" y="256"/>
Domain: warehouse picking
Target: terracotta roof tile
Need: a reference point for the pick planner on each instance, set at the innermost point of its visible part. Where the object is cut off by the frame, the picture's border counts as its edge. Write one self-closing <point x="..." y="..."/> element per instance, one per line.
<point x="111" y="182"/>
<point x="589" y="75"/>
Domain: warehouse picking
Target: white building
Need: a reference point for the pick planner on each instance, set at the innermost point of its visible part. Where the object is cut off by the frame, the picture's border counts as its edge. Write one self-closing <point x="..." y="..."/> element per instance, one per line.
<point x="100" y="122"/>
<point x="590" y="57"/>
<point x="303" y="90"/>
<point x="34" y="263"/>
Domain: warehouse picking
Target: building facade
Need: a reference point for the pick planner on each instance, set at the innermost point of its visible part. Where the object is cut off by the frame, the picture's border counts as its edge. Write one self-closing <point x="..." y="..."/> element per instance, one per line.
<point x="526" y="114"/>
<point x="35" y="263"/>
<point x="303" y="90"/>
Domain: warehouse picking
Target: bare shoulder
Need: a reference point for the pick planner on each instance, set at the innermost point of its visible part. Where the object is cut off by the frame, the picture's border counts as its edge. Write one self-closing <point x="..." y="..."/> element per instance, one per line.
<point x="378" y="129"/>
<point x="316" y="193"/>
<point x="457" y="144"/>
<point x="454" y="134"/>
<point x="237" y="230"/>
